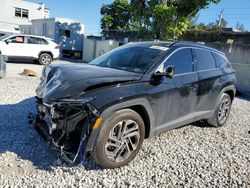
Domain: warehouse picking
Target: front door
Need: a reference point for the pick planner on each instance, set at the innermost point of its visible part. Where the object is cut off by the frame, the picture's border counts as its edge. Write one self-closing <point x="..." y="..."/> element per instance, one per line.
<point x="177" y="97"/>
<point x="14" y="47"/>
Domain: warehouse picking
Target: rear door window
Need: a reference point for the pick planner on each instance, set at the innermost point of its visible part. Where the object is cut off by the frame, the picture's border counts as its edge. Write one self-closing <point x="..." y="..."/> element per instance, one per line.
<point x="204" y="60"/>
<point x="182" y="61"/>
<point x="220" y="60"/>
<point x="35" y="40"/>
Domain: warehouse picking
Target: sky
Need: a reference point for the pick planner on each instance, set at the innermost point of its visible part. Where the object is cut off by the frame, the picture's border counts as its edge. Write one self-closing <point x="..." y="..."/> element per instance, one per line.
<point x="88" y="12"/>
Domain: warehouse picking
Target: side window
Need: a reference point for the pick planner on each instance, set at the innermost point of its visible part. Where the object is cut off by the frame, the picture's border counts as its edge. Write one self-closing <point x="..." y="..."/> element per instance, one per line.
<point x="220" y="60"/>
<point x="182" y="61"/>
<point x="34" y="40"/>
<point x="204" y="60"/>
<point x="16" y="39"/>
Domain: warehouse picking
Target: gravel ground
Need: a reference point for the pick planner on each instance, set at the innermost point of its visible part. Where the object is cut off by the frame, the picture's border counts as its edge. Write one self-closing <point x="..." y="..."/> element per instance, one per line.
<point x="192" y="156"/>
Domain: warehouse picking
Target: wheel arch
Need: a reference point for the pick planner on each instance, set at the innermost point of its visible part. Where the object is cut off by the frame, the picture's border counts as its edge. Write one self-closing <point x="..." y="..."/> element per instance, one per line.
<point x="141" y="110"/>
<point x="141" y="106"/>
<point x="231" y="93"/>
<point x="47" y="52"/>
<point x="230" y="90"/>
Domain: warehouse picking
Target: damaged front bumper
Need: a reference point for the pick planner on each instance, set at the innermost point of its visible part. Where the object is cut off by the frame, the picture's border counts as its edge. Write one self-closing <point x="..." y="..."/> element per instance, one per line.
<point x="67" y="127"/>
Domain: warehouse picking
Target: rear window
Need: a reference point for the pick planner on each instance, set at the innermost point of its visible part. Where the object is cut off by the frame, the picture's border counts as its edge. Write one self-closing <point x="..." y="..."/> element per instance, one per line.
<point x="204" y="60"/>
<point x="220" y="60"/>
<point x="35" y="40"/>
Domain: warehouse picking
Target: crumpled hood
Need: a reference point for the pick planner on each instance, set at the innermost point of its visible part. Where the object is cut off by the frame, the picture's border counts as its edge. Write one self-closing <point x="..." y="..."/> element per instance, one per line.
<point x="73" y="80"/>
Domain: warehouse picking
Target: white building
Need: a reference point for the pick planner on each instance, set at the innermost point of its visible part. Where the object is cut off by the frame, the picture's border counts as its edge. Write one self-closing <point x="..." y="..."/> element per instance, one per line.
<point x="66" y="32"/>
<point x="19" y="12"/>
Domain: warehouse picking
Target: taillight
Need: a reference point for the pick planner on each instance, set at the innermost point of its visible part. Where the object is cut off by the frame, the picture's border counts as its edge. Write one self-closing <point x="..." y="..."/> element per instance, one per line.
<point x="57" y="47"/>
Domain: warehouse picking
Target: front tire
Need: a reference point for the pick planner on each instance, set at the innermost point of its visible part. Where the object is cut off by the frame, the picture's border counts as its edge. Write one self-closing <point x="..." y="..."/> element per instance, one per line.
<point x="222" y="111"/>
<point x="45" y="59"/>
<point x="119" y="140"/>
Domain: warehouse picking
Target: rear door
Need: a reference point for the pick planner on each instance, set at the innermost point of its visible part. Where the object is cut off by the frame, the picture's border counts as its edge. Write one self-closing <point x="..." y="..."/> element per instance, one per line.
<point x="36" y="45"/>
<point x="177" y="97"/>
<point x="209" y="85"/>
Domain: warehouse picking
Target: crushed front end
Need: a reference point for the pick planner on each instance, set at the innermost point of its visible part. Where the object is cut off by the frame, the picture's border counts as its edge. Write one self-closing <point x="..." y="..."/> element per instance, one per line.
<point x="64" y="123"/>
<point x="66" y="126"/>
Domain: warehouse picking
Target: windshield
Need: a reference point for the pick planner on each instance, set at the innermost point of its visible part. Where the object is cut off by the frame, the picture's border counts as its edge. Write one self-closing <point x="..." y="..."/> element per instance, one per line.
<point x="130" y="58"/>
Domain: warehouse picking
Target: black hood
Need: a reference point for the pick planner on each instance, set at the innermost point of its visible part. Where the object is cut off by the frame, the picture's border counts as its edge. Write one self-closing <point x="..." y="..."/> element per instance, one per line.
<point x="76" y="79"/>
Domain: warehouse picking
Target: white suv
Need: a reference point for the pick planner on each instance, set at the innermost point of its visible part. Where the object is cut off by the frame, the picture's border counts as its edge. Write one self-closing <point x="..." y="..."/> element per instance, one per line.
<point x="20" y="47"/>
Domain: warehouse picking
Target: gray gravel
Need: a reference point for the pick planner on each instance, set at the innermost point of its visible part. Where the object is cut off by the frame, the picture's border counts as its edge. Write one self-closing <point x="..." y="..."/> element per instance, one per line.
<point x="192" y="156"/>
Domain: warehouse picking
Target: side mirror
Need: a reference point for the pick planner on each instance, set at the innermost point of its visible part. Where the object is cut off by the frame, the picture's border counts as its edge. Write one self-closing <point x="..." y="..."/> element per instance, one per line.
<point x="169" y="72"/>
<point x="8" y="41"/>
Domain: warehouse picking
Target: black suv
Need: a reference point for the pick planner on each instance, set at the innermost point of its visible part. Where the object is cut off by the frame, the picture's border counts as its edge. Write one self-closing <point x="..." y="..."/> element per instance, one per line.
<point x="108" y="107"/>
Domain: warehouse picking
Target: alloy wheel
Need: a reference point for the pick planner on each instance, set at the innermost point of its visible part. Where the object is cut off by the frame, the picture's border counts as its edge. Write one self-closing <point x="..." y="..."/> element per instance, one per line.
<point x="46" y="59"/>
<point x="123" y="139"/>
<point x="224" y="110"/>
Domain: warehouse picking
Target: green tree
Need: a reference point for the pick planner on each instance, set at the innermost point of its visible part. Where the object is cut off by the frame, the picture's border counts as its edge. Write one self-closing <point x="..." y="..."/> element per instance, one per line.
<point x="139" y="10"/>
<point x="115" y="15"/>
<point x="221" y="24"/>
<point x="166" y="19"/>
<point x="240" y="26"/>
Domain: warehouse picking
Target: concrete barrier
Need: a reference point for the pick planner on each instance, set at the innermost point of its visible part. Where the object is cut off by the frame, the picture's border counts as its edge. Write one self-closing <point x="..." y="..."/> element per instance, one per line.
<point x="239" y="56"/>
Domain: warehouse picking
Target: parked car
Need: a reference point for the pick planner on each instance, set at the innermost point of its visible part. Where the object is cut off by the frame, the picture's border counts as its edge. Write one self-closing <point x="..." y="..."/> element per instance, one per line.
<point x="3" y="60"/>
<point x="109" y="106"/>
<point x="29" y="47"/>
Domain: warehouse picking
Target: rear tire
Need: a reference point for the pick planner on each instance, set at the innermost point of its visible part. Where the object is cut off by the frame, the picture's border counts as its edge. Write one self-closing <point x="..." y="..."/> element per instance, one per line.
<point x="45" y="59"/>
<point x="119" y="140"/>
<point x="222" y="111"/>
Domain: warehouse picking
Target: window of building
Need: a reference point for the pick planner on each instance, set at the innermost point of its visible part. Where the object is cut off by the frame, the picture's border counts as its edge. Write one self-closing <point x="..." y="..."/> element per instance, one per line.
<point x="35" y="40"/>
<point x="18" y="12"/>
<point x="204" y="60"/>
<point x="65" y="33"/>
<point x="25" y="13"/>
<point x="21" y="13"/>
<point x="182" y="61"/>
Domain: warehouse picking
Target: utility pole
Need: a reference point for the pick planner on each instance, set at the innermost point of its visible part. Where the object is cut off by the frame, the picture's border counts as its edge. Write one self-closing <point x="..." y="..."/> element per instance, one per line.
<point x="220" y="17"/>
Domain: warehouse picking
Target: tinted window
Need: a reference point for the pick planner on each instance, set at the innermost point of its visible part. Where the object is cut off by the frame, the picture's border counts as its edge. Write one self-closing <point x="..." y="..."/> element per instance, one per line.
<point x="16" y="39"/>
<point x="34" y="40"/>
<point x="220" y="60"/>
<point x="205" y="60"/>
<point x="182" y="60"/>
<point x="134" y="59"/>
